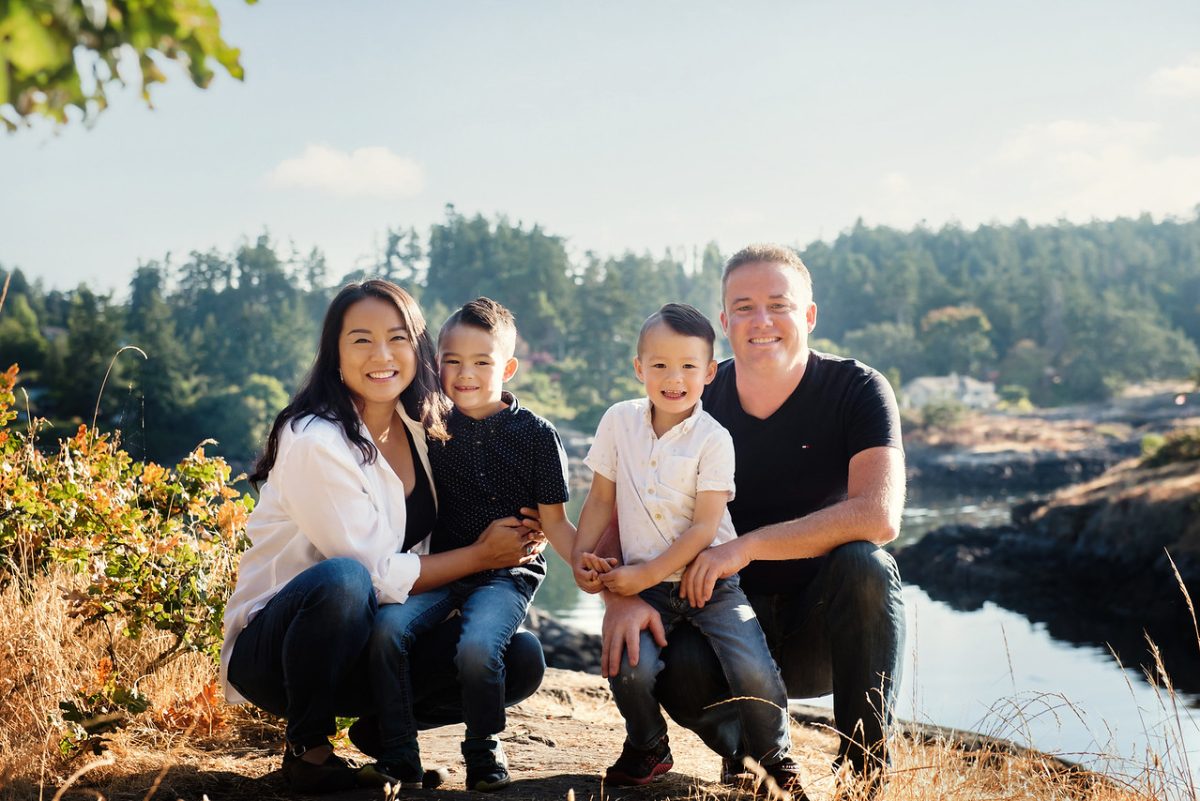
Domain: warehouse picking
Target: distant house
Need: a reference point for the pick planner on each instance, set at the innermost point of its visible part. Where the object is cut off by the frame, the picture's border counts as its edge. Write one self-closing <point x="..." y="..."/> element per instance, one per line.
<point x="968" y="391"/>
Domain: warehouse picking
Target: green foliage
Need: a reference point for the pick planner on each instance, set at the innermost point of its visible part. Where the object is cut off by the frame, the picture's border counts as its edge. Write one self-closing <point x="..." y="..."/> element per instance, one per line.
<point x="1068" y="313"/>
<point x="1015" y="398"/>
<point x="942" y="414"/>
<point x="58" y="54"/>
<point x="21" y="339"/>
<point x="240" y="417"/>
<point x="887" y="346"/>
<point x="956" y="340"/>
<point x="1178" y="446"/>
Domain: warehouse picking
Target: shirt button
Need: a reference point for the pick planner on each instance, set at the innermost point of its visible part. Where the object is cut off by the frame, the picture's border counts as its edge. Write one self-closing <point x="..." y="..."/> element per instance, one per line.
<point x="653" y="462"/>
<point x="657" y="516"/>
<point x="650" y="490"/>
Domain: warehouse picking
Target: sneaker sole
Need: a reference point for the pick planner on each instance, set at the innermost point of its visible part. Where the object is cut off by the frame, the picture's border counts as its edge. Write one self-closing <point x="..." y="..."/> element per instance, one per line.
<point x="489" y="787"/>
<point x="625" y="780"/>
<point x="370" y="776"/>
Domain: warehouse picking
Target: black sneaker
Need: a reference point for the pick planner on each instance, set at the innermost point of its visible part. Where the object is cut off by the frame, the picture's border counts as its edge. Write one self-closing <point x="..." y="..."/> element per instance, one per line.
<point x="638" y="766"/>
<point x="330" y="776"/>
<point x="487" y="767"/>
<point x="404" y="770"/>
<point x="382" y="773"/>
<point x="782" y="781"/>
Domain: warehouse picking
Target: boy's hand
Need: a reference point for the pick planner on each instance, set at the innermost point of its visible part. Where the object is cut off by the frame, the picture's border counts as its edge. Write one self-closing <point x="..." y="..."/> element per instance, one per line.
<point x="626" y="580"/>
<point x="587" y="574"/>
<point x="586" y="578"/>
<point x="599" y="564"/>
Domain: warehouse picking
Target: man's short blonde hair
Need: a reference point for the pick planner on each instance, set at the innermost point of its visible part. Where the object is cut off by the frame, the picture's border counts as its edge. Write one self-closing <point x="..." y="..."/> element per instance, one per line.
<point x="769" y="253"/>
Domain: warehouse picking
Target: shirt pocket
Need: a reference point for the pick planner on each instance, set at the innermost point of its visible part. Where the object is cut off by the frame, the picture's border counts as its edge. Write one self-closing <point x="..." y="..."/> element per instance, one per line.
<point x="679" y="473"/>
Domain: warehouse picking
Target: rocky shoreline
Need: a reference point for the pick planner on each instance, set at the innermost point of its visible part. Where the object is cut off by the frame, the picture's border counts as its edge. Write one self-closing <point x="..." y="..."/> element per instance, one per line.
<point x="1011" y="472"/>
<point x="565" y="647"/>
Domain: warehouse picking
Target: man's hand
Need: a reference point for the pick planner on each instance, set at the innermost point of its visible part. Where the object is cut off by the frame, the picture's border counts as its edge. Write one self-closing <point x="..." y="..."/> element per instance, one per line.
<point x="626" y="580"/>
<point x="624" y="619"/>
<point x="711" y="564"/>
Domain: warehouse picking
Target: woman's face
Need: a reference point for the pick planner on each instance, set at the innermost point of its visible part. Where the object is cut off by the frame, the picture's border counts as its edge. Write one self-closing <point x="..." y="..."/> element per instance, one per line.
<point x="376" y="353"/>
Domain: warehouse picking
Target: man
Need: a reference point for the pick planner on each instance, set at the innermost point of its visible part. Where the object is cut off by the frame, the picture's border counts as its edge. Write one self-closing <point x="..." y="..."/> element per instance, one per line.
<point x="820" y="486"/>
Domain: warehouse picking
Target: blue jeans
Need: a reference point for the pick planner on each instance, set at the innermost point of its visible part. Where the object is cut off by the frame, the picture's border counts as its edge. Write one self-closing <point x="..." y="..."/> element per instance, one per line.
<point x="843" y="633"/>
<point x="305" y="657"/>
<point x="493" y="605"/>
<point x="728" y="625"/>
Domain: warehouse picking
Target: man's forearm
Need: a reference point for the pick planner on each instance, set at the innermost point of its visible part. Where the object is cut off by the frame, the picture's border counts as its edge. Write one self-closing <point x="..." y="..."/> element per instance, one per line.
<point x="871" y="513"/>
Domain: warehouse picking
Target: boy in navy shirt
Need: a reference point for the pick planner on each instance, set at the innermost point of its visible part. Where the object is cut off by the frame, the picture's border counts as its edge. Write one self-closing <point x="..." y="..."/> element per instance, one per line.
<point x="500" y="457"/>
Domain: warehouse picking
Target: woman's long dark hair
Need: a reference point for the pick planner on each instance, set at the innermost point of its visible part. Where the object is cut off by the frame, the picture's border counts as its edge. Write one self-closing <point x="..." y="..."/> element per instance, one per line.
<point x="323" y="394"/>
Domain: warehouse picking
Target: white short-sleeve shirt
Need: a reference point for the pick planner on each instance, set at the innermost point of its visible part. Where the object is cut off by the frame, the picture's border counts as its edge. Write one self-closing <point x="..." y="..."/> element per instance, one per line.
<point x="657" y="479"/>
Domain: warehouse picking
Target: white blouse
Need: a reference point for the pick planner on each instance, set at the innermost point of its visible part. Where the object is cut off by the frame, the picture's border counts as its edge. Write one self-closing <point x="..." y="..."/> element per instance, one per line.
<point x="319" y="502"/>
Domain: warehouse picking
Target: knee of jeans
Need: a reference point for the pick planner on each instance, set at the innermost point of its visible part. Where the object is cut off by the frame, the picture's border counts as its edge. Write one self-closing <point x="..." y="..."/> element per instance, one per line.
<point x="644" y="674"/>
<point x="865" y="573"/>
<point x="524" y="667"/>
<point x="389" y="636"/>
<point x="344" y="582"/>
<point x="478" y="660"/>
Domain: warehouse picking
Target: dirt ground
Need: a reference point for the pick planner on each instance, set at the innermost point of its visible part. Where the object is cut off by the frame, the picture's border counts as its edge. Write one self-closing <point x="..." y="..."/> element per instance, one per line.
<point x="558" y="741"/>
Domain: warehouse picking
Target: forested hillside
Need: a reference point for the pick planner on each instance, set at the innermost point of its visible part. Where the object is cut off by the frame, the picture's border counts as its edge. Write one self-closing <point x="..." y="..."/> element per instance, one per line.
<point x="1059" y="314"/>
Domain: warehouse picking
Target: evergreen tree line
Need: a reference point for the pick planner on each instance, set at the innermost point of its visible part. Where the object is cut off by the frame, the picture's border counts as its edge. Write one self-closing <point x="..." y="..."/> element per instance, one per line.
<point x="1057" y="314"/>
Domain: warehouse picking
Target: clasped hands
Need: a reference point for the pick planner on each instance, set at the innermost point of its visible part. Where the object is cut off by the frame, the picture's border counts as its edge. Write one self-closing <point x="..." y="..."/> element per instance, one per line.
<point x="594" y="573"/>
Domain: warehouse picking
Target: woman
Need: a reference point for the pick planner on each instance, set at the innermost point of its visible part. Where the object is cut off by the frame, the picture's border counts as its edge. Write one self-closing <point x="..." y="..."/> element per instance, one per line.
<point x="339" y="529"/>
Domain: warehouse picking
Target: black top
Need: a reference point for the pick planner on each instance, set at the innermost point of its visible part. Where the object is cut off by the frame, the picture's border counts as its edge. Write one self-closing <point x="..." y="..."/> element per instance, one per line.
<point x="797" y="461"/>
<point x="419" y="504"/>
<point x="490" y="468"/>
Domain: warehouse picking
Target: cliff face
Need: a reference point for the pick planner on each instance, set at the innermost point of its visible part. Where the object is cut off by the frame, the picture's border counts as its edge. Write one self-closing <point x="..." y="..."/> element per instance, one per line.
<point x="1091" y="562"/>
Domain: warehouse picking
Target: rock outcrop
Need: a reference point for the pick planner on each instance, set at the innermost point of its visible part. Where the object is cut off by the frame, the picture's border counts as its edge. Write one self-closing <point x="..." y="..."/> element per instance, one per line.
<point x="1093" y="562"/>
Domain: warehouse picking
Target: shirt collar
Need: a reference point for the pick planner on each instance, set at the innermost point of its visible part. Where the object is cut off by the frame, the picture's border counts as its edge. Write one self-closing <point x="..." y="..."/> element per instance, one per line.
<point x="500" y="418"/>
<point x="684" y="427"/>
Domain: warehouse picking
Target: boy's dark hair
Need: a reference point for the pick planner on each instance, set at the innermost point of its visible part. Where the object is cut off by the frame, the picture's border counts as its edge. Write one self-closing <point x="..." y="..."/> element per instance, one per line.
<point x="488" y="315"/>
<point x="682" y="319"/>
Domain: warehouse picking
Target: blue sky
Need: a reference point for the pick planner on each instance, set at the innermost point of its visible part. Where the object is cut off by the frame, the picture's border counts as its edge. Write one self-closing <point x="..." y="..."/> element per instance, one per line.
<point x="621" y="125"/>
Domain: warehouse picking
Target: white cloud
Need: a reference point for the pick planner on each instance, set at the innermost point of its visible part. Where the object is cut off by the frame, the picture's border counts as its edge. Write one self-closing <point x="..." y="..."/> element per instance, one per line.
<point x="1081" y="169"/>
<point x="373" y="172"/>
<point x="896" y="184"/>
<point x="1182" y="80"/>
<point x="1035" y="141"/>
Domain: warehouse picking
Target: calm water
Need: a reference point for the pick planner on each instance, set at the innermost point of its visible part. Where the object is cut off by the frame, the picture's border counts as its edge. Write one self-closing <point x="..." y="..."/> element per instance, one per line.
<point x="994" y="671"/>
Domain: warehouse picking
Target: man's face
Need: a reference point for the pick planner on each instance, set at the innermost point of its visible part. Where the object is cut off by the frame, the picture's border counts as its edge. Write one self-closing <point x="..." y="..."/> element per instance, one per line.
<point x="768" y="314"/>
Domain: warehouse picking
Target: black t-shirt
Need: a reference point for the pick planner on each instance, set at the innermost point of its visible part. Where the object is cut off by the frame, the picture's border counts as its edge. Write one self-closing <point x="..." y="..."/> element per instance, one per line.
<point x="797" y="461"/>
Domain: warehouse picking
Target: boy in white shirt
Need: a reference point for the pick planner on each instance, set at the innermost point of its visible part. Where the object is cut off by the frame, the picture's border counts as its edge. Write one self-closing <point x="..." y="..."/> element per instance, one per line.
<point x="668" y="467"/>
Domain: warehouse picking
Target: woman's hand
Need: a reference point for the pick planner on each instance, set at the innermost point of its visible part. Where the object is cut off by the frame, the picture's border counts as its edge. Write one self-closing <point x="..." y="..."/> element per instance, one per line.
<point x="511" y="541"/>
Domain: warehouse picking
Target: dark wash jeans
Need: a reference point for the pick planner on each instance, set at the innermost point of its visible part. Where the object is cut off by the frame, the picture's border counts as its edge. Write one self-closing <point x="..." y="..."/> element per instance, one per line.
<point x="843" y="633"/>
<point x="305" y="657"/>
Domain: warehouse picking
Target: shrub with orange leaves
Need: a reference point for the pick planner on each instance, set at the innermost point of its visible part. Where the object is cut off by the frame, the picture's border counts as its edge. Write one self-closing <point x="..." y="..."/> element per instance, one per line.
<point x="156" y="547"/>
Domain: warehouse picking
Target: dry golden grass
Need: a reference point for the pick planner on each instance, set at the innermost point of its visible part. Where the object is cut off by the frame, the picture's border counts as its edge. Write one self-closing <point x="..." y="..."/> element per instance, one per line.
<point x="191" y="745"/>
